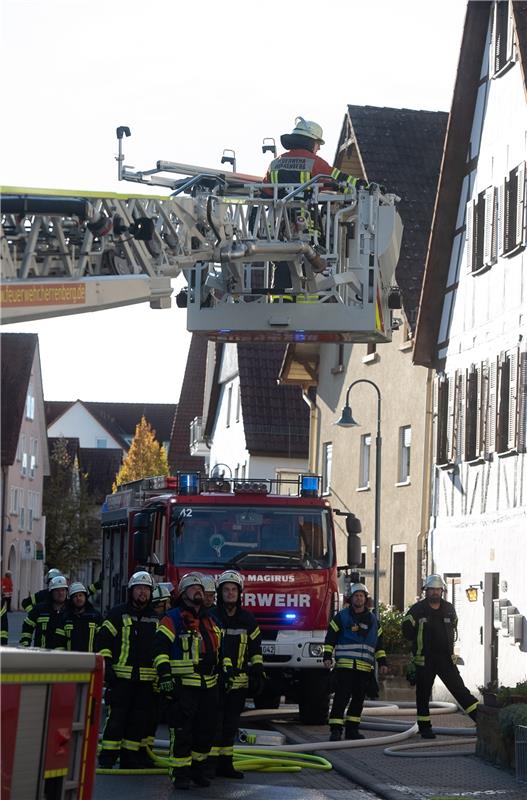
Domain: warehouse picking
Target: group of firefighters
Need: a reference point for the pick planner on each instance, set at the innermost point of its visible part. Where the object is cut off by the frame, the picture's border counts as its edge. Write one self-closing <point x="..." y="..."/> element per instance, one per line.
<point x="198" y="658"/>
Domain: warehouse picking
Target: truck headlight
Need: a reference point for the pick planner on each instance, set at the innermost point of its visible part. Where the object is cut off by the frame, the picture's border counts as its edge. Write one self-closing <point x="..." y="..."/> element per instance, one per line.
<point x="316" y="650"/>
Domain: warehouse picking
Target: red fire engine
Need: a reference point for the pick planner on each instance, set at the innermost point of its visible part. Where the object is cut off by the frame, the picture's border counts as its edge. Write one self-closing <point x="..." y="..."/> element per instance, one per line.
<point x="51" y="704"/>
<point x="278" y="534"/>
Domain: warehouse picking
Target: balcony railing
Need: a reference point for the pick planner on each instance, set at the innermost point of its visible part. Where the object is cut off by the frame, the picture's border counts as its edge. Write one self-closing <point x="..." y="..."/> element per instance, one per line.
<point x="198" y="444"/>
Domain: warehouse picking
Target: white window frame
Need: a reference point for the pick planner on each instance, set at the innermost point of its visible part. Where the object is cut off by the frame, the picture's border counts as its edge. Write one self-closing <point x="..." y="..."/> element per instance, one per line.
<point x="229" y="406"/>
<point x="14" y="500"/>
<point x="364" y="461"/>
<point x="327" y="464"/>
<point x="405" y="455"/>
<point x="30" y="403"/>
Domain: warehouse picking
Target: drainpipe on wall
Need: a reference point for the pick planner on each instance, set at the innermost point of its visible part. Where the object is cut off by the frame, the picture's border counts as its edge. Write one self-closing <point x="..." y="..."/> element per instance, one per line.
<point x="309" y="396"/>
<point x="427" y="483"/>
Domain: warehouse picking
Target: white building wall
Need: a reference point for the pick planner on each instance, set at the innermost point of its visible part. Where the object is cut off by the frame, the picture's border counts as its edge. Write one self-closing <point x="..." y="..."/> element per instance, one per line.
<point x="228" y="437"/>
<point x="479" y="523"/>
<point x="77" y="422"/>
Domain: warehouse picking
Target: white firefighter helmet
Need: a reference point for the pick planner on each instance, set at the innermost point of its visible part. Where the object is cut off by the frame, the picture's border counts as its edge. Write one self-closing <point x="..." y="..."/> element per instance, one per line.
<point x="230" y="576"/>
<point x="52" y="573"/>
<point x="76" y="588"/>
<point x="308" y="128"/>
<point x="209" y="584"/>
<point x="434" y="582"/>
<point x="357" y="587"/>
<point x="141" y="579"/>
<point x="190" y="579"/>
<point x="160" y="594"/>
<point x="58" y="582"/>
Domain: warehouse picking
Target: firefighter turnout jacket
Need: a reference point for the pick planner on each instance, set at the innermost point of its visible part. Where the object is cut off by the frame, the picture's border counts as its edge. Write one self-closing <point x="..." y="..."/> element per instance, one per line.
<point x="355" y="641"/>
<point x="187" y="646"/>
<point x="41" y="625"/>
<point x="125" y="639"/>
<point x="241" y="645"/>
<point x="79" y="630"/>
<point x="300" y="165"/>
<point x="431" y="631"/>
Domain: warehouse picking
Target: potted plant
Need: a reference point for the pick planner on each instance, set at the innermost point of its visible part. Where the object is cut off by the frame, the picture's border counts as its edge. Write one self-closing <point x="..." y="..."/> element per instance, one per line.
<point x="489" y="693"/>
<point x="509" y="717"/>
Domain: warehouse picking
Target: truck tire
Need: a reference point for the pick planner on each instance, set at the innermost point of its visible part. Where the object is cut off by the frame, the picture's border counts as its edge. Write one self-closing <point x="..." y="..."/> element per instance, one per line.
<point x="313" y="701"/>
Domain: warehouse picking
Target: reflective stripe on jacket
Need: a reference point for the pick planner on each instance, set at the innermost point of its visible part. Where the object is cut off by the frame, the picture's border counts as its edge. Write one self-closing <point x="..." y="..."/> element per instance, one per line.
<point x="187" y="645"/>
<point x="126" y="640"/>
<point x="354" y="640"/>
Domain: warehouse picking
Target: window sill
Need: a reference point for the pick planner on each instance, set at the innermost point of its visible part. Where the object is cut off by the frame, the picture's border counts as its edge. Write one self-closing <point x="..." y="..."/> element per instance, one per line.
<point x="446" y="466"/>
<point x="363" y="489"/>
<point x="409" y="345"/>
<point x="371" y="358"/>
<point x="506" y="453"/>
<point x="404" y="483"/>
<point x="482" y="269"/>
<point x="337" y="370"/>
<point x="473" y="462"/>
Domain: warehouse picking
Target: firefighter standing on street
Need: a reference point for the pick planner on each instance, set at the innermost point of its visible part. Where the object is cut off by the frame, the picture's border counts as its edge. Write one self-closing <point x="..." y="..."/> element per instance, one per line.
<point x="126" y="641"/>
<point x="44" y="619"/>
<point x="241" y="648"/>
<point x="7" y="589"/>
<point x="81" y="622"/>
<point x="431" y="626"/>
<point x="41" y="596"/>
<point x="209" y="598"/>
<point x="187" y="652"/>
<point x="354" y="640"/>
<point x="4" y="625"/>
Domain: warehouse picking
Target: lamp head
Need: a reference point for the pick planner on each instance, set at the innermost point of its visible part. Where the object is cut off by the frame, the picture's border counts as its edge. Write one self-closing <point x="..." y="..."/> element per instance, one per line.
<point x="346" y="420"/>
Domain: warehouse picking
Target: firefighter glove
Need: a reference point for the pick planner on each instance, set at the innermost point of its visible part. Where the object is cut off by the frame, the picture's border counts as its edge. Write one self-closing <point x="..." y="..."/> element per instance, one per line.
<point x="257" y="680"/>
<point x="167" y="685"/>
<point x="411" y="673"/>
<point x="228" y="678"/>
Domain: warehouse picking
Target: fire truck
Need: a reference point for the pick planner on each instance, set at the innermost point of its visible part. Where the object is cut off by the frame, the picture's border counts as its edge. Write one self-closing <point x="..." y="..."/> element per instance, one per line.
<point x="279" y="534"/>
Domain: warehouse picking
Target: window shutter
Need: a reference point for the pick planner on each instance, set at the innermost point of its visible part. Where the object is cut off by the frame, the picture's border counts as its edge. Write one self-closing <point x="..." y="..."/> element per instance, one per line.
<point x="512" y="428"/>
<point x="451" y="414"/>
<point x="441" y="419"/>
<point x="489" y="238"/>
<point x="490" y="438"/>
<point x="510" y="36"/>
<point x="481" y="409"/>
<point x="522" y="403"/>
<point x="460" y="416"/>
<point x="500" y="218"/>
<point x="520" y="207"/>
<point x="469" y="235"/>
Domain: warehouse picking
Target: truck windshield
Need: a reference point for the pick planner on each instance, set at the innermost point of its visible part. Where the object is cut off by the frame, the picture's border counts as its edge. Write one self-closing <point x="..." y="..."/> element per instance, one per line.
<point x="286" y="538"/>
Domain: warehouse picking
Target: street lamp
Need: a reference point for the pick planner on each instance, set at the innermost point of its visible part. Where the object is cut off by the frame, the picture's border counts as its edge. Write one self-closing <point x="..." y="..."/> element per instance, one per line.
<point x="346" y="421"/>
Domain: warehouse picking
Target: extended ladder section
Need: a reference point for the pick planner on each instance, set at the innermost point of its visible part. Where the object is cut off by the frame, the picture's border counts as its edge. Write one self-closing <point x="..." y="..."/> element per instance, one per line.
<point x="291" y="263"/>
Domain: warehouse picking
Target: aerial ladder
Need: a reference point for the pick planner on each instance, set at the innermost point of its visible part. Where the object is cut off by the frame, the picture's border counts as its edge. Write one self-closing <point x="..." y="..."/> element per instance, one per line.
<point x="67" y="252"/>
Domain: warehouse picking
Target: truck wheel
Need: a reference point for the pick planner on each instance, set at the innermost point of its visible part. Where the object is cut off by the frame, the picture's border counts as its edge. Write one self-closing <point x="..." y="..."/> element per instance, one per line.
<point x="313" y="704"/>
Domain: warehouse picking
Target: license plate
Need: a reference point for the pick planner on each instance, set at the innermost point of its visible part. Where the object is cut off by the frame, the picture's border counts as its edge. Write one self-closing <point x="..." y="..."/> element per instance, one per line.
<point x="268" y="649"/>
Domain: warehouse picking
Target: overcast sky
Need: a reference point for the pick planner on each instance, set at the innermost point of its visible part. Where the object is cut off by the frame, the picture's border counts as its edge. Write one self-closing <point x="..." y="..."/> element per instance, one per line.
<point x="190" y="79"/>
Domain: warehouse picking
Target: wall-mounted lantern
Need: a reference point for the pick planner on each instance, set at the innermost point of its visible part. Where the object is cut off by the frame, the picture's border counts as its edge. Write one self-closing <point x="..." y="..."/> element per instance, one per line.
<point x="472" y="592"/>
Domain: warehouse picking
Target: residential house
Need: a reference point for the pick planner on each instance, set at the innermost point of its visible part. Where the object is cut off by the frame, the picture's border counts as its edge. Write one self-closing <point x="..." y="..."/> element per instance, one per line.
<point x="472" y="330"/>
<point x="184" y="454"/>
<point x="400" y="149"/>
<point x="252" y="426"/>
<point x="25" y="462"/>
<point x="112" y="425"/>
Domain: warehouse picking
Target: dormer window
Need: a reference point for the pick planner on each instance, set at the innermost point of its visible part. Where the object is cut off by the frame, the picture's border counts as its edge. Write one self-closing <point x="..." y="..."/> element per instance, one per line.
<point x="502" y="50"/>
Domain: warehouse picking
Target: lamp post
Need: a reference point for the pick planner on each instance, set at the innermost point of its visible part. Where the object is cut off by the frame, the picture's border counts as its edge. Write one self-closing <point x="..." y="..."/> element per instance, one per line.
<point x="346" y="421"/>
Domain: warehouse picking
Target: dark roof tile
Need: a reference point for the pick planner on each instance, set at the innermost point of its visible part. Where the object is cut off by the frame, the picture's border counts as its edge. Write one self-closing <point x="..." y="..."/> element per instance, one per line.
<point x="17" y="354"/>
<point x="190" y="405"/>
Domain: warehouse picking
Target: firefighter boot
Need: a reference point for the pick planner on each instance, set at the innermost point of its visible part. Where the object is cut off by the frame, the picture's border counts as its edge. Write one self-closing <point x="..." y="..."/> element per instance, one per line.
<point x="352" y="731"/>
<point x="197" y="774"/>
<point x="181" y="778"/>
<point x="225" y="768"/>
<point x="335" y="734"/>
<point x="210" y="766"/>
<point x="425" y="729"/>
